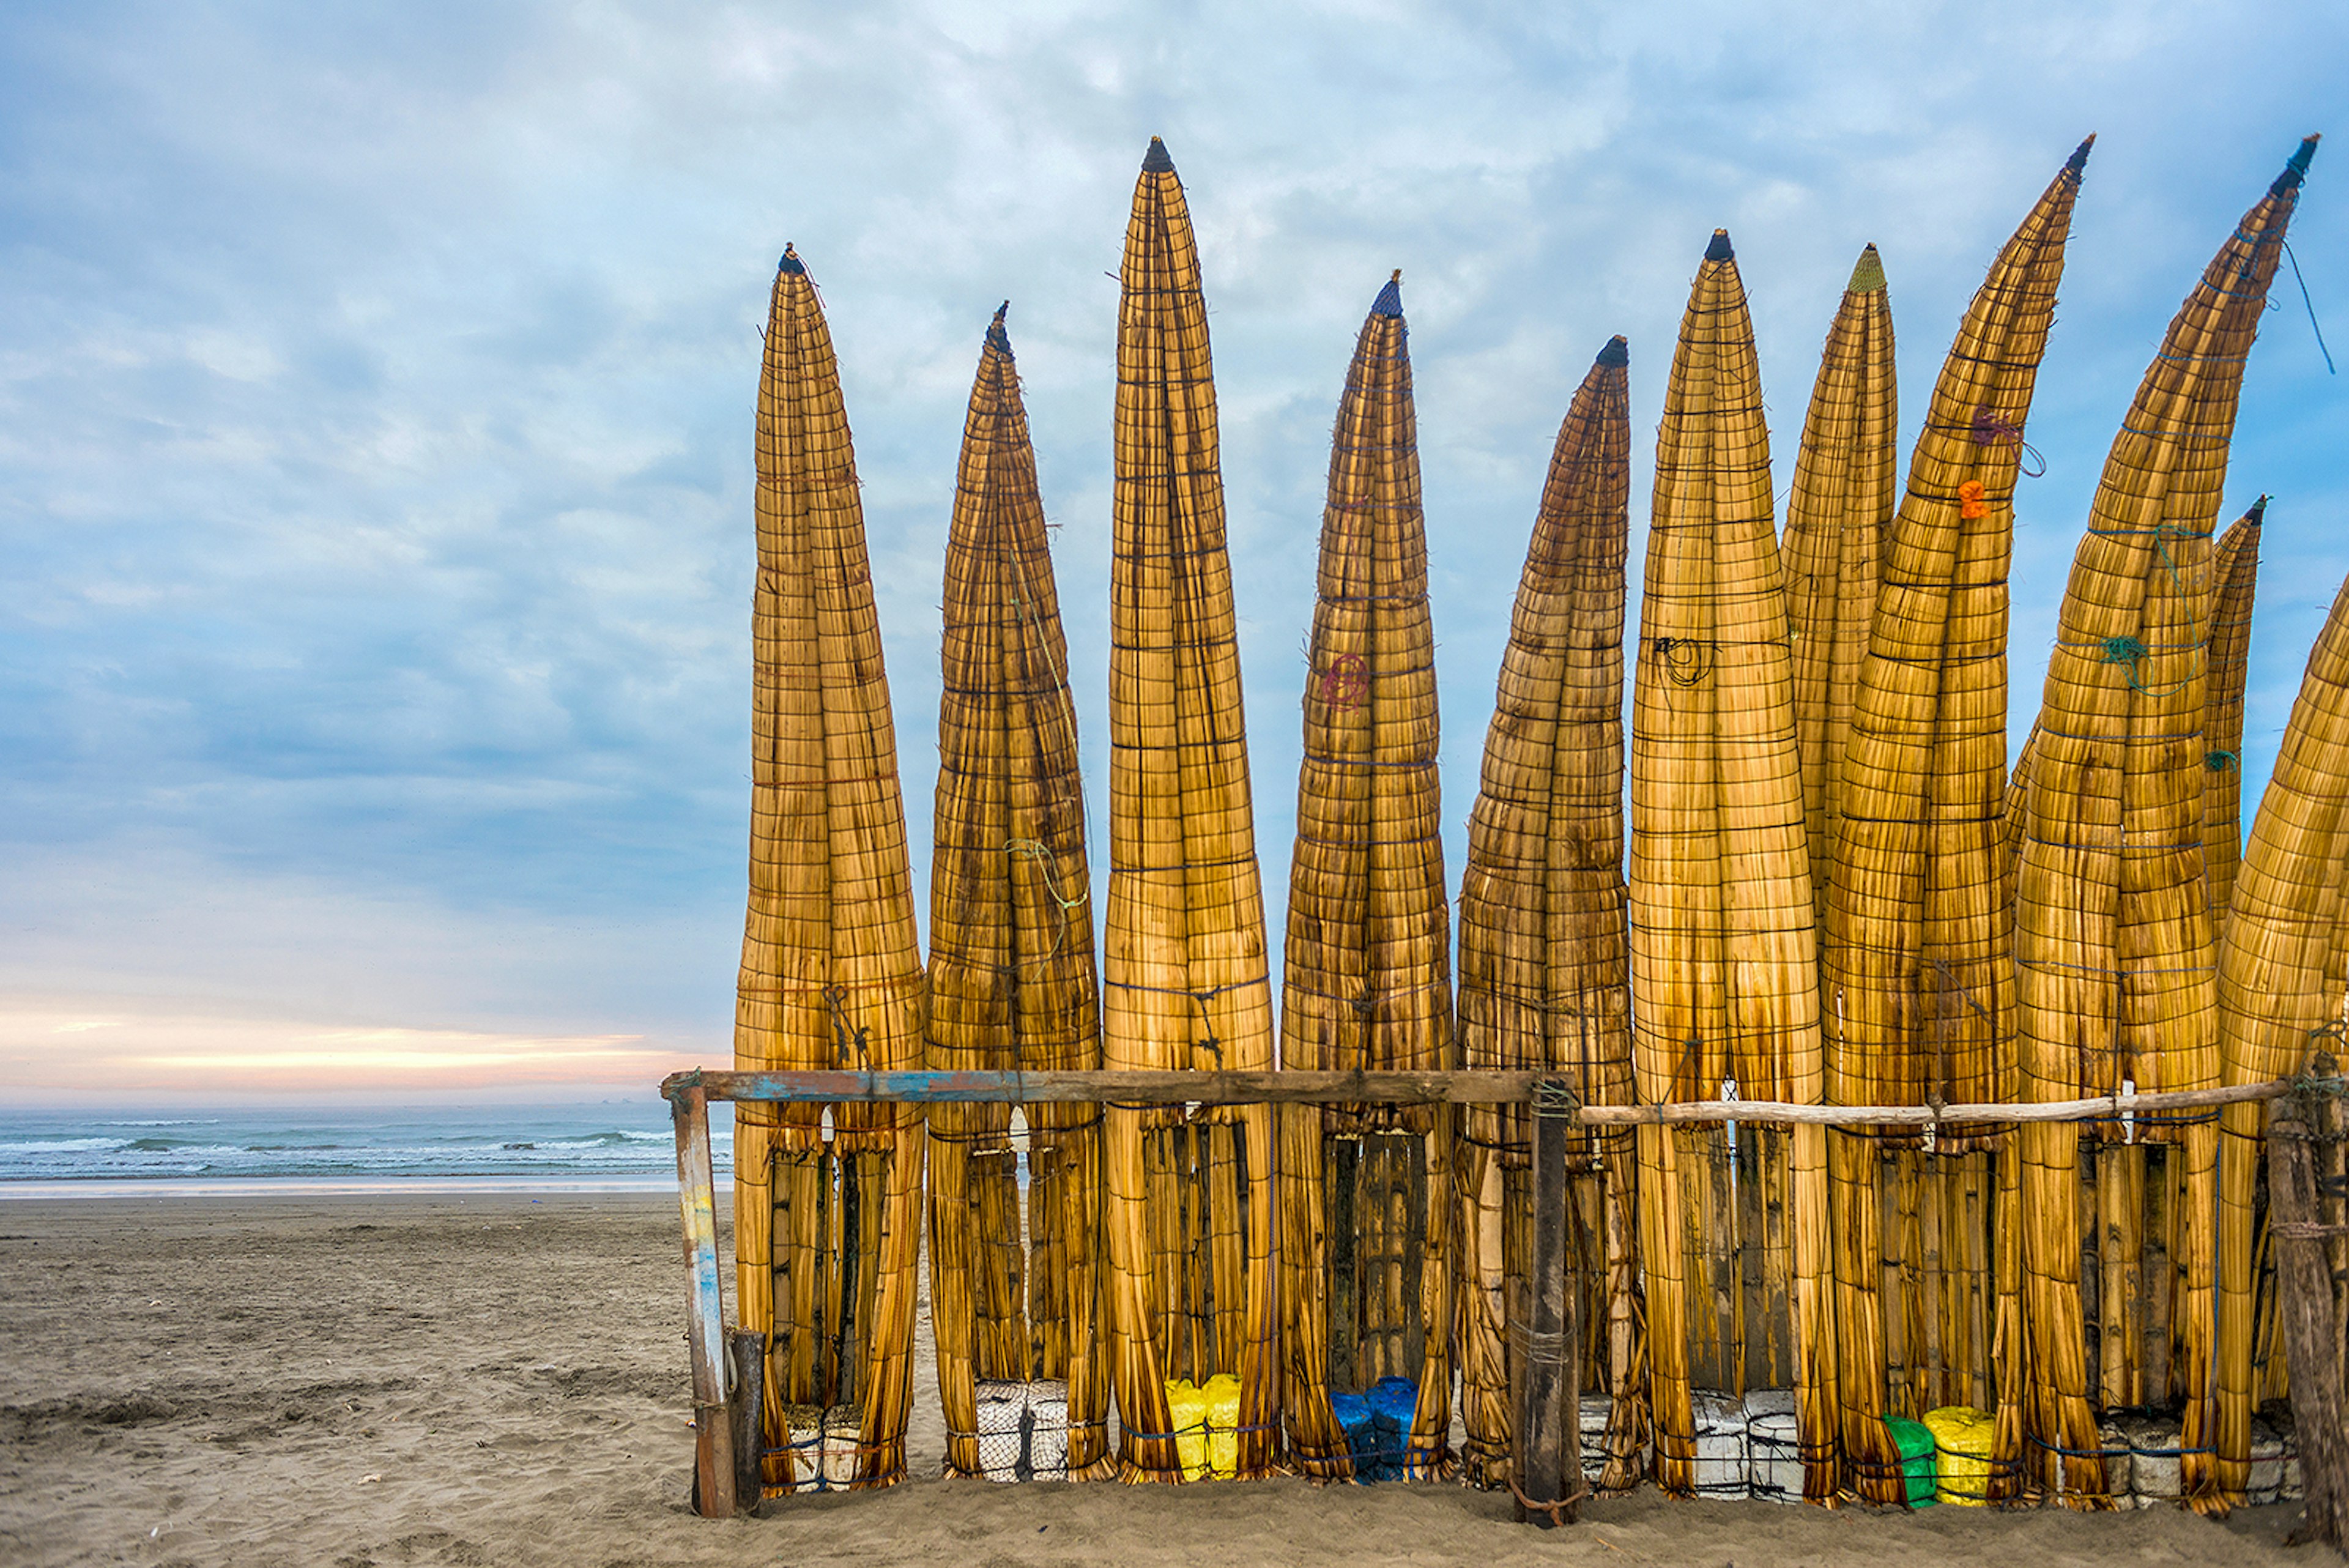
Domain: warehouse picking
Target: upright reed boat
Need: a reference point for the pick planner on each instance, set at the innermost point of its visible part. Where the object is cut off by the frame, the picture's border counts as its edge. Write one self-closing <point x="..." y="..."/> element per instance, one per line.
<point x="1724" y="979"/>
<point x="1919" y="987"/>
<point x="2278" y="1003"/>
<point x="1544" y="978"/>
<point x="2115" y="945"/>
<point x="1366" y="1191"/>
<point x="1012" y="985"/>
<point x="1192" y="1291"/>
<point x="827" y="1198"/>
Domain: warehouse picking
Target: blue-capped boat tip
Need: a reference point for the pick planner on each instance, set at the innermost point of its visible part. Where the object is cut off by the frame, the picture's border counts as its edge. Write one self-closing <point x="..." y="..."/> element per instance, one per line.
<point x="1720" y="249"/>
<point x="1389" y="299"/>
<point x="791" y="262"/>
<point x="2079" y="159"/>
<point x="1156" y="160"/>
<point x="997" y="338"/>
<point x="2296" y="170"/>
<point x="1617" y="353"/>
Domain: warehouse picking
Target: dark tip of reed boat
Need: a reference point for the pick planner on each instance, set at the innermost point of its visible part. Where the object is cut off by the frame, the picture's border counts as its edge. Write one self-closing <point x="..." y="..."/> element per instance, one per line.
<point x="997" y="338"/>
<point x="1720" y="249"/>
<point x="791" y="262"/>
<point x="1156" y="160"/>
<point x="2079" y="159"/>
<point x="2257" y="513"/>
<point x="1616" y="354"/>
<point x="1389" y="299"/>
<point x="2296" y="169"/>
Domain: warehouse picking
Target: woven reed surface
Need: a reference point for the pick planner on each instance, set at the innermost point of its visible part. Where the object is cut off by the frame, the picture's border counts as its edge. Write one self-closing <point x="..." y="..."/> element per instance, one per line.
<point x="1544" y="978"/>
<point x="1724" y="981"/>
<point x="1184" y="970"/>
<point x="1838" y="515"/>
<point x="1012" y="981"/>
<point x="1368" y="980"/>
<point x="2237" y="571"/>
<point x="2114" y="948"/>
<point x="2276" y="999"/>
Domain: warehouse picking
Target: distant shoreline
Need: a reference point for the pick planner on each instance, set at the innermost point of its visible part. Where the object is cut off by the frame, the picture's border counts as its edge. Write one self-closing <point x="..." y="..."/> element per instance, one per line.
<point x="328" y="1186"/>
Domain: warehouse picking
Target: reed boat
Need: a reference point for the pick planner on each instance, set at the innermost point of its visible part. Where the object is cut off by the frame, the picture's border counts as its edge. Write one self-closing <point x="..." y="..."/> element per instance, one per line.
<point x="1544" y="978"/>
<point x="2279" y="1001"/>
<point x="2115" y="945"/>
<point x="1366" y="1191"/>
<point x="1013" y="1298"/>
<point x="827" y="1199"/>
<point x="1919" y="990"/>
<point x="1724" y="979"/>
<point x="2236" y="567"/>
<point x="1189" y="1208"/>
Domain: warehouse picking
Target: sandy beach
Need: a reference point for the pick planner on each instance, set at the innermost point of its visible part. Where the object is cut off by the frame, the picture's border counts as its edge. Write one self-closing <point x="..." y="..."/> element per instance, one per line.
<point x="493" y="1379"/>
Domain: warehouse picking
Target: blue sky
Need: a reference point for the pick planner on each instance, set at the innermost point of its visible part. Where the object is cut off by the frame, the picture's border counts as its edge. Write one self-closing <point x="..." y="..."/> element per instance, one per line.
<point x="377" y="386"/>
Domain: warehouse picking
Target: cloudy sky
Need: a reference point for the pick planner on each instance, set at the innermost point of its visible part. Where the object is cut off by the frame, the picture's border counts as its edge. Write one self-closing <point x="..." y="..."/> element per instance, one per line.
<point x="377" y="390"/>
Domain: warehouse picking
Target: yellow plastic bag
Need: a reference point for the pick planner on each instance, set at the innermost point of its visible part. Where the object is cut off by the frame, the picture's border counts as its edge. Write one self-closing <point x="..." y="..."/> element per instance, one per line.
<point x="1186" y="1403"/>
<point x="1221" y="1396"/>
<point x="1963" y="1437"/>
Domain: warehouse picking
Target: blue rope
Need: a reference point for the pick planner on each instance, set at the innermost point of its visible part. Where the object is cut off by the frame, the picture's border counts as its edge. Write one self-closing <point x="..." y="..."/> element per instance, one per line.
<point x="2312" y="309"/>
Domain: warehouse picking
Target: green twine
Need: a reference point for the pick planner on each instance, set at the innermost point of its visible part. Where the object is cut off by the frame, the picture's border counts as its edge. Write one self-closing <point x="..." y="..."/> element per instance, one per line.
<point x="2123" y="650"/>
<point x="2218" y="762"/>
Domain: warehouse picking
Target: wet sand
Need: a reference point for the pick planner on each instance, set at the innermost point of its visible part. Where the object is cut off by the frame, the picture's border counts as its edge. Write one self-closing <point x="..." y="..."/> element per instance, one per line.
<point x="365" y="1381"/>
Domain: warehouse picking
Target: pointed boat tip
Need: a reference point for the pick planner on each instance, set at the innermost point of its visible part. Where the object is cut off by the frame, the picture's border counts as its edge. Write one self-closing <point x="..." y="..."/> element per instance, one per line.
<point x="1720" y="249"/>
<point x="1157" y="160"/>
<point x="1868" y="272"/>
<point x="2079" y="159"/>
<point x="2258" y="513"/>
<point x="997" y="338"/>
<point x="791" y="262"/>
<point x="1616" y="354"/>
<point x="1389" y="299"/>
<point x="2296" y="170"/>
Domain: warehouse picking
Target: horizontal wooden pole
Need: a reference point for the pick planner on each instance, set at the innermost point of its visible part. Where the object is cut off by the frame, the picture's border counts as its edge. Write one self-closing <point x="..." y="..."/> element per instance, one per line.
<point x="2100" y="1108"/>
<point x="1459" y="1087"/>
<point x="1463" y="1086"/>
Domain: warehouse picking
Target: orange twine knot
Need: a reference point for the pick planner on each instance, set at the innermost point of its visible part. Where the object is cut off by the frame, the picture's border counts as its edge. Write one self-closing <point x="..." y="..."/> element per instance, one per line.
<point x="1970" y="504"/>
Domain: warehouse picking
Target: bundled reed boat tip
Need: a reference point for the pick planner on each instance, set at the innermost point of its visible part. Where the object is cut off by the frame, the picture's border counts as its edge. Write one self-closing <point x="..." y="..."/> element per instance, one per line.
<point x="1720" y="249"/>
<point x="1616" y="354"/>
<point x="1157" y="160"/>
<point x="2295" y="169"/>
<point x="2079" y="159"/>
<point x="1868" y="272"/>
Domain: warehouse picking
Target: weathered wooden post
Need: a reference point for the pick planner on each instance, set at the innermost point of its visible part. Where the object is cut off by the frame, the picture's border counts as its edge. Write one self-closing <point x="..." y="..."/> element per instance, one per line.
<point x="1548" y="1484"/>
<point x="747" y="1354"/>
<point x="2304" y="1303"/>
<point x="696" y="1192"/>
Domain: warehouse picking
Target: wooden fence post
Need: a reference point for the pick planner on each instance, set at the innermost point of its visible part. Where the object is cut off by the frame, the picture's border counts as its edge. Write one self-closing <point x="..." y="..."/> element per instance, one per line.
<point x="2304" y="1303"/>
<point x="1549" y="1427"/>
<point x="696" y="1192"/>
<point x="747" y="1353"/>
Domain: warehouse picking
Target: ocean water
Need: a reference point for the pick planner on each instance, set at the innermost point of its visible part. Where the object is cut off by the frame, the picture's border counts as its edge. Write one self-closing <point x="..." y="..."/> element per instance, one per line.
<point x="624" y="1143"/>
